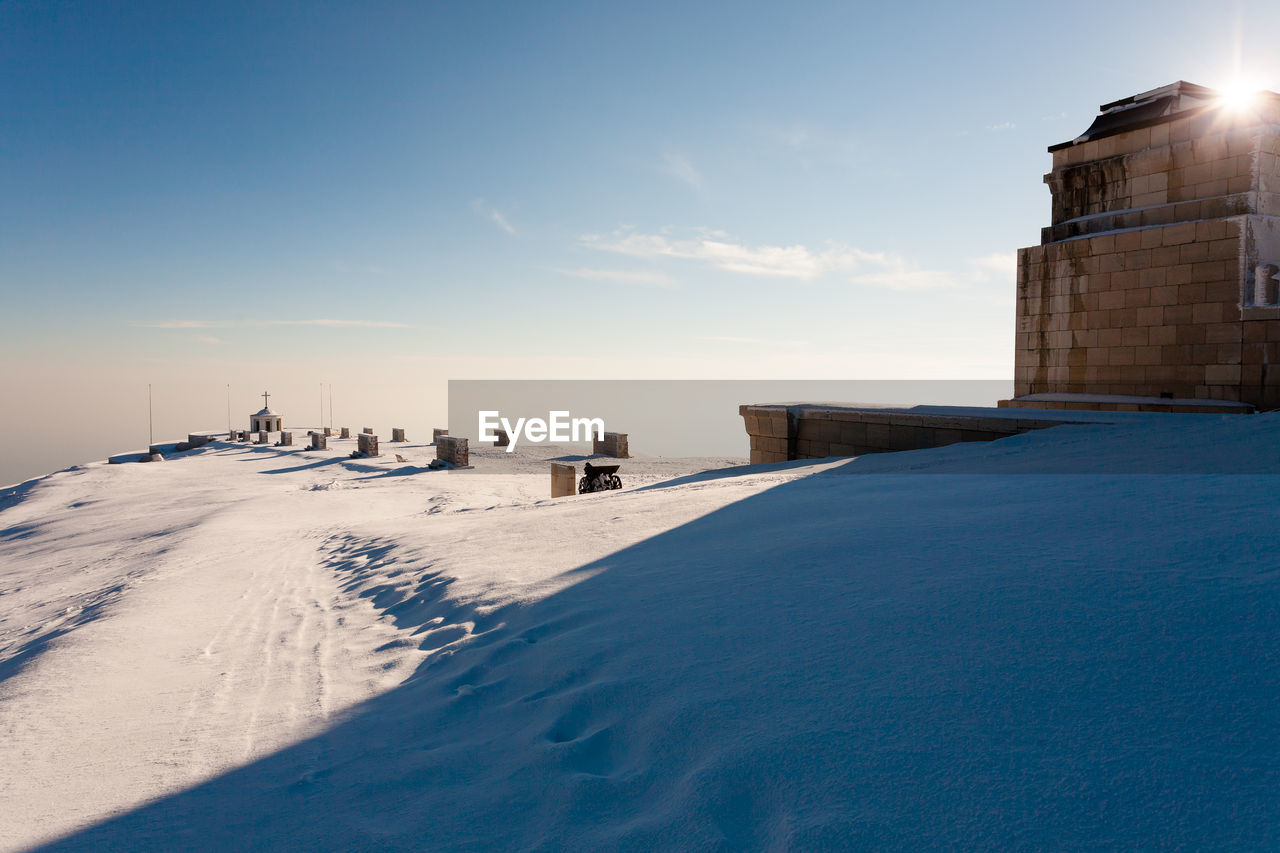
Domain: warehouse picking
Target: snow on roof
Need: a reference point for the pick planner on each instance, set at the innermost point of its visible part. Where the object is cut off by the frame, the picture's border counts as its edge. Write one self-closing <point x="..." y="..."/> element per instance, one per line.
<point x="266" y="413"/>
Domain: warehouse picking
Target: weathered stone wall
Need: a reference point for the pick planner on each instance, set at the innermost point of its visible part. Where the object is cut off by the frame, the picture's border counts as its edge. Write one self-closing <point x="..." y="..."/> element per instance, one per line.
<point x="782" y="433"/>
<point x="613" y="444"/>
<point x="1146" y="283"/>
<point x="454" y="450"/>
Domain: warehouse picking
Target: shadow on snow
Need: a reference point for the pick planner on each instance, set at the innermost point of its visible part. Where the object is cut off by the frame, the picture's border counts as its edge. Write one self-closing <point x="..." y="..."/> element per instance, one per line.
<point x="835" y="662"/>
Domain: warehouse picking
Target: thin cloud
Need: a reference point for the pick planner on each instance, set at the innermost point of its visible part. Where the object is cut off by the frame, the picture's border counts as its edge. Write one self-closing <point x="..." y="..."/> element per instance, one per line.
<point x="204" y="324"/>
<point x="1006" y="125"/>
<point x="678" y="166"/>
<point x="493" y="215"/>
<point x="736" y="339"/>
<point x="176" y="324"/>
<point x="361" y="324"/>
<point x="864" y="268"/>
<point x="1002" y="265"/>
<point x="643" y="277"/>
<point x="714" y="247"/>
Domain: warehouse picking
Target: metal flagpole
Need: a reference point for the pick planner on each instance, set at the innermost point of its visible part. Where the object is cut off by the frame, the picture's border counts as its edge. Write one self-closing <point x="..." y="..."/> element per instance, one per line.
<point x="228" y="409"/>
<point x="151" y="432"/>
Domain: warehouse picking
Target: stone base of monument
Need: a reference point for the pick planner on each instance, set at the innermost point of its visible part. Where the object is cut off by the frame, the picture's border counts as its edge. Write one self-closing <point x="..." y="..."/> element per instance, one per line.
<point x="1124" y="403"/>
<point x="397" y="434"/>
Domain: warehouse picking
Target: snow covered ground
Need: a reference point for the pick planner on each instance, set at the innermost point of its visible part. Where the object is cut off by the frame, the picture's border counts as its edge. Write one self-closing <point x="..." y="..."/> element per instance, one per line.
<point x="1062" y="639"/>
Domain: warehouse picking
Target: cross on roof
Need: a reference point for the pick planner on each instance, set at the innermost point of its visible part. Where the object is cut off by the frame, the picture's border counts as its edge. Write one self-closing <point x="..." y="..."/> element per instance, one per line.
<point x="265" y="395"/>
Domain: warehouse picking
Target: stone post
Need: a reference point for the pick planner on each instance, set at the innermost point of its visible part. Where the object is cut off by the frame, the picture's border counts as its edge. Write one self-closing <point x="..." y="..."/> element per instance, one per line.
<point x="368" y="444"/>
<point x="318" y="441"/>
<point x="346" y="432"/>
<point x="454" y="450"/>
<point x="436" y="433"/>
<point x="286" y="439"/>
<point x="397" y="433"/>
<point x="614" y="444"/>
<point x="564" y="480"/>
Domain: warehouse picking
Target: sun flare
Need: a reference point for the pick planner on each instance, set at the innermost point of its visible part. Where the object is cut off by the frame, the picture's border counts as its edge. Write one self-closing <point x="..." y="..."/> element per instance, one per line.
<point x="1237" y="96"/>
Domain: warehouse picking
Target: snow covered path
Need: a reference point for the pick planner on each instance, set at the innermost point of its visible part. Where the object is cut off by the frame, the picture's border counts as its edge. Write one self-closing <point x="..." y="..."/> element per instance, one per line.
<point x="216" y="635"/>
<point x="162" y="624"/>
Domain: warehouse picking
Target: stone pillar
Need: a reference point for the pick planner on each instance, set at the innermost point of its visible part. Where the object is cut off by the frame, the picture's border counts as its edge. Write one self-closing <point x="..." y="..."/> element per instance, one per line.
<point x="613" y="444"/>
<point x="454" y="450"/>
<point x="397" y="433"/>
<point x="436" y="433"/>
<point x="564" y="480"/>
<point x="262" y="436"/>
<point x="286" y="439"/>
<point x="242" y="435"/>
<point x="328" y="431"/>
<point x="318" y="441"/>
<point x="346" y="432"/>
<point x="367" y="430"/>
<point x="502" y="438"/>
<point x="368" y="444"/>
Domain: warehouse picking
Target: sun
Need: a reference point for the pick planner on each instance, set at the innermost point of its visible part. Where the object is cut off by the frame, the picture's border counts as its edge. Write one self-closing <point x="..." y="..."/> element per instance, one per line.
<point x="1238" y="96"/>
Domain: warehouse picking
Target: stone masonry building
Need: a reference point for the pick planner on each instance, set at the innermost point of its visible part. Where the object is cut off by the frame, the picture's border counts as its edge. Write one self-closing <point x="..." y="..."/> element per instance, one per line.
<point x="1158" y="275"/>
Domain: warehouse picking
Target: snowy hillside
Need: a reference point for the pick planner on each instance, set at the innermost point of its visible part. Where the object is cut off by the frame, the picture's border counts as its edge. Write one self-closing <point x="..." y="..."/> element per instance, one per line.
<point x="1062" y="639"/>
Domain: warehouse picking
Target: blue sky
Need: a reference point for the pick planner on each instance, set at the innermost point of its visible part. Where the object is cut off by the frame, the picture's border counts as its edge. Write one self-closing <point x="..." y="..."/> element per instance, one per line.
<point x="289" y="193"/>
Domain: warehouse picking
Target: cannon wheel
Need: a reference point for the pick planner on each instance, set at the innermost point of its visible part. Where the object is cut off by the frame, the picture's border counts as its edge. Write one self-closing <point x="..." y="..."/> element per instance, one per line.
<point x="615" y="482"/>
<point x="584" y="486"/>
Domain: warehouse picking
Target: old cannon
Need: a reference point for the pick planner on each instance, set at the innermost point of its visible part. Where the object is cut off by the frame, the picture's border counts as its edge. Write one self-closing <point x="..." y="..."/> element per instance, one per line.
<point x="599" y="478"/>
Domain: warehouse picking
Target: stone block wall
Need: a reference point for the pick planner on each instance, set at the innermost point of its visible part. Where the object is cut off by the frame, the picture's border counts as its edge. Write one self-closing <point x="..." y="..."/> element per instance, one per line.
<point x="1153" y="278"/>
<point x="454" y="450"/>
<point x="613" y="444"/>
<point x="782" y="433"/>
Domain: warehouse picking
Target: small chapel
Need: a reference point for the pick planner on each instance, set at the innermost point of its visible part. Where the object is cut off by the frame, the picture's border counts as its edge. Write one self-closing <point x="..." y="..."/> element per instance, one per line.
<point x="265" y="420"/>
